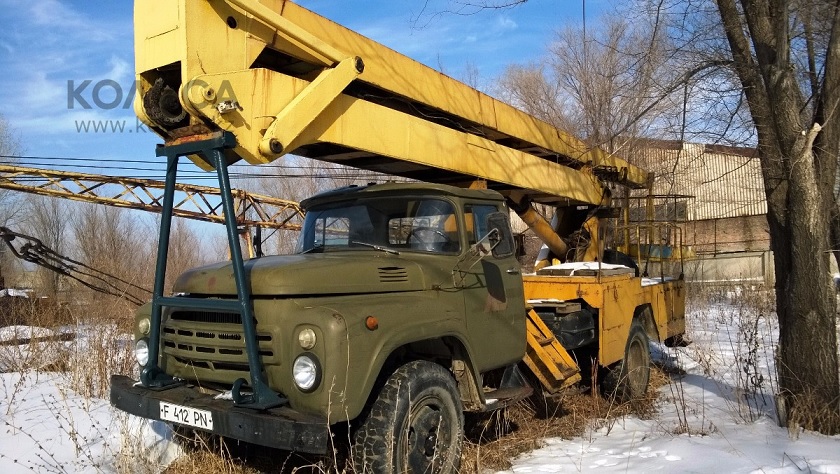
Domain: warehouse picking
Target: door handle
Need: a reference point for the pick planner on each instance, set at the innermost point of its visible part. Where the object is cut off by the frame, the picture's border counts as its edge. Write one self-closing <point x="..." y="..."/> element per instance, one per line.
<point x="512" y="271"/>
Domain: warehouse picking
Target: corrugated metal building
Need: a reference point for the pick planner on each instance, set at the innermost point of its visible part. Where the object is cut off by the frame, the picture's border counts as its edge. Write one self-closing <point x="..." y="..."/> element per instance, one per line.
<point x="724" y="218"/>
<point x="725" y="181"/>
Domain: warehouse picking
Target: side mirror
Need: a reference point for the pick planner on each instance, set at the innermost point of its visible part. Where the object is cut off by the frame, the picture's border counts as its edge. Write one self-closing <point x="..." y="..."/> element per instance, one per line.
<point x="486" y="244"/>
<point x="519" y="240"/>
<point x="498" y="241"/>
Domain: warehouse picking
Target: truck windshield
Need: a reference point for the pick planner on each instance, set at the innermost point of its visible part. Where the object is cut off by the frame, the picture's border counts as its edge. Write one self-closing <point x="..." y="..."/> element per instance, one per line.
<point x="393" y="223"/>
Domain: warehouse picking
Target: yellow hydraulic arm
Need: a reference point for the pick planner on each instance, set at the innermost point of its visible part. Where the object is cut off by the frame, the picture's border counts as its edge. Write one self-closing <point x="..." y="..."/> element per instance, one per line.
<point x="285" y="80"/>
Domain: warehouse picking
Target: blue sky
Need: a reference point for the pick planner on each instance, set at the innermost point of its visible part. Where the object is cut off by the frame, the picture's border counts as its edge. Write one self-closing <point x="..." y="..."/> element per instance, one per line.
<point x="44" y="44"/>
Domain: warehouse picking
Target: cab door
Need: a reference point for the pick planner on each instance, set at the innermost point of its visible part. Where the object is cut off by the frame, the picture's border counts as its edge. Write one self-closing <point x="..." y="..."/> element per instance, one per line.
<point x="494" y="300"/>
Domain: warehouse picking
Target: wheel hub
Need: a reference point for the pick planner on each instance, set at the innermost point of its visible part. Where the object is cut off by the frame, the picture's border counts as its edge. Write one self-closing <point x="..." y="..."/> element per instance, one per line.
<point x="425" y="424"/>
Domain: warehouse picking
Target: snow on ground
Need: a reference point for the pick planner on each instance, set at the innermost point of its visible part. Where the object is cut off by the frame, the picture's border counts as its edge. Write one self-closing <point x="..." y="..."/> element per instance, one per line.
<point x="50" y="423"/>
<point x="716" y="416"/>
<point x="48" y="428"/>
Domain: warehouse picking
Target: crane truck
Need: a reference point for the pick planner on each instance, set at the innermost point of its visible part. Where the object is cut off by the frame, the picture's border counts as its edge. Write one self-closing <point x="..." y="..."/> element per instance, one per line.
<point x="404" y="305"/>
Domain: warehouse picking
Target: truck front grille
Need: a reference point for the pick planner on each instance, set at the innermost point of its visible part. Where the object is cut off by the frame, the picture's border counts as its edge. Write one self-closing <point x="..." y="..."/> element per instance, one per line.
<point x="210" y="317"/>
<point x="212" y="340"/>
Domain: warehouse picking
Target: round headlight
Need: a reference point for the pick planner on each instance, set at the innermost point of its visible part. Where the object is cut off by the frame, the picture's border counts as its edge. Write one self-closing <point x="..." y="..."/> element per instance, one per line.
<point x="307" y="339"/>
<point x="306" y="372"/>
<point x="144" y="325"/>
<point x="141" y="352"/>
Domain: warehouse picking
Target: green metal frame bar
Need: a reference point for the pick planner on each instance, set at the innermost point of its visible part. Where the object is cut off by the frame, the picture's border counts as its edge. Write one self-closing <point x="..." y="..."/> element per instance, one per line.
<point x="152" y="376"/>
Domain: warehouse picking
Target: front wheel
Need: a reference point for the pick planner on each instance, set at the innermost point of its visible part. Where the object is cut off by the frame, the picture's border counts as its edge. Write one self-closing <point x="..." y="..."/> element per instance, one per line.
<point x="416" y="424"/>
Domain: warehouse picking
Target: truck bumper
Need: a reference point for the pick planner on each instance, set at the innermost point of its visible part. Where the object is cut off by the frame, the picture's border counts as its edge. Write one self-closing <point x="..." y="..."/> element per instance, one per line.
<point x="281" y="427"/>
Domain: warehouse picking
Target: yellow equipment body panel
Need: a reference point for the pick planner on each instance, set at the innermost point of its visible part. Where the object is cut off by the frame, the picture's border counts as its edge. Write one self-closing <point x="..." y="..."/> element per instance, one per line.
<point x="617" y="298"/>
<point x="667" y="300"/>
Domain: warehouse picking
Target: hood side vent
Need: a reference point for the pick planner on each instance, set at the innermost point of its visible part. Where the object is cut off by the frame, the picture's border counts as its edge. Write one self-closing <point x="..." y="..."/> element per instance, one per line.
<point x="392" y="275"/>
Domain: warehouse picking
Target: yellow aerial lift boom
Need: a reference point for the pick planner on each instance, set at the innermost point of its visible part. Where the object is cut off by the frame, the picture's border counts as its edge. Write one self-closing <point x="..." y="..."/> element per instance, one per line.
<point x="284" y="80"/>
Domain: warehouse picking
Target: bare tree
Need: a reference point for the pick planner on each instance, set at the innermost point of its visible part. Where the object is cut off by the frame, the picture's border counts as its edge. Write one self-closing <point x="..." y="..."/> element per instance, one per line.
<point x="191" y="244"/>
<point x="47" y="219"/>
<point x="9" y="148"/>
<point x="186" y="250"/>
<point x="9" y="145"/>
<point x="780" y="60"/>
<point x="107" y="239"/>
<point x="529" y="88"/>
<point x="609" y="85"/>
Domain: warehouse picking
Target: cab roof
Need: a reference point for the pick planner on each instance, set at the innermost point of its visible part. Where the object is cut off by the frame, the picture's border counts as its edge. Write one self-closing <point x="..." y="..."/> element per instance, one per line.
<point x="394" y="188"/>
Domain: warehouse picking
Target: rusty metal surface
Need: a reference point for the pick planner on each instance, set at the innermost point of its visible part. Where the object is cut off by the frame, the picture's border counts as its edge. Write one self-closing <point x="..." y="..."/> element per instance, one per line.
<point x="192" y="201"/>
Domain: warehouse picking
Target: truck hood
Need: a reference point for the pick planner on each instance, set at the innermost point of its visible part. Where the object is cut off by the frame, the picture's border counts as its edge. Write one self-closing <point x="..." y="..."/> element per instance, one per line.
<point x="309" y="274"/>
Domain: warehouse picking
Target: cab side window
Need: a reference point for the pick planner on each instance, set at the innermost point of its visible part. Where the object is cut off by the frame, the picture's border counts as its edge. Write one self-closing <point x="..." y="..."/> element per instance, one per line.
<point x="477" y="220"/>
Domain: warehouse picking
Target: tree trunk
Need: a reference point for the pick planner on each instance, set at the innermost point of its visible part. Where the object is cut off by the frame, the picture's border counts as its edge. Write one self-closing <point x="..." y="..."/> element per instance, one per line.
<point x="807" y="361"/>
<point x="798" y="185"/>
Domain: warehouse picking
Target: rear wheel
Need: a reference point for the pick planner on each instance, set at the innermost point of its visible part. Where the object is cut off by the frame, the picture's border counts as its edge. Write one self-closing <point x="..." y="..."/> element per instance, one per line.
<point x="416" y="424"/>
<point x="629" y="381"/>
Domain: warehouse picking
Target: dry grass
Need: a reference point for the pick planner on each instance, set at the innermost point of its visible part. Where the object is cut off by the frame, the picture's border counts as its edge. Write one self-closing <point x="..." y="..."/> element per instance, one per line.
<point x="76" y="354"/>
<point x="492" y="441"/>
<point x="811" y="413"/>
<point x="35" y="335"/>
<point x="205" y="453"/>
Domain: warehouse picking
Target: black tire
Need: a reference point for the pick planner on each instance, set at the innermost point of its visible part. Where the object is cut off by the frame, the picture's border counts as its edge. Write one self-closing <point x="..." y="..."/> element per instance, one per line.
<point x="415" y="425"/>
<point x="629" y="380"/>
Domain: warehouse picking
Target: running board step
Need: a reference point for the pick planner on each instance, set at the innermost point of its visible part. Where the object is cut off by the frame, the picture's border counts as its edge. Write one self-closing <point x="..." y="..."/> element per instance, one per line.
<point x="503" y="397"/>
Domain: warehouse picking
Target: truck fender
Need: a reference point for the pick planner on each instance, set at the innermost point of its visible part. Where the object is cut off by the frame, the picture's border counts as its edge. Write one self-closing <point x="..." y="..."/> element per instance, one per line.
<point x="644" y="313"/>
<point x="459" y="363"/>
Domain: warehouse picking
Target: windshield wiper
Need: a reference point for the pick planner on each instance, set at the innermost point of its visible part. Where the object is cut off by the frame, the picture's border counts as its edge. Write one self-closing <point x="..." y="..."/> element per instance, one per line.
<point x="376" y="247"/>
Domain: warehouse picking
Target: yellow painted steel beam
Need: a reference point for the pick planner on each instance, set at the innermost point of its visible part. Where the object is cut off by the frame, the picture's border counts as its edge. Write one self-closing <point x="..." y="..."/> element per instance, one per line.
<point x="186" y="42"/>
<point x="406" y="77"/>
<point x="409" y="144"/>
<point x="547" y="358"/>
<point x="295" y="35"/>
<point x="306" y="107"/>
<point x="193" y="202"/>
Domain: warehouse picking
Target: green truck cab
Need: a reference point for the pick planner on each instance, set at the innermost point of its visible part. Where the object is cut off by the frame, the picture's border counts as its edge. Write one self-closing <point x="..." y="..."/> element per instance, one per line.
<point x="403" y="303"/>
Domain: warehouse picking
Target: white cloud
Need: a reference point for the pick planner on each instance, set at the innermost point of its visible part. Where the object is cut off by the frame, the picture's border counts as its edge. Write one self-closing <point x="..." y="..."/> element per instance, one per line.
<point x="121" y="71"/>
<point x="40" y="92"/>
<point x="57" y="16"/>
<point x="54" y="42"/>
<point x="506" y="23"/>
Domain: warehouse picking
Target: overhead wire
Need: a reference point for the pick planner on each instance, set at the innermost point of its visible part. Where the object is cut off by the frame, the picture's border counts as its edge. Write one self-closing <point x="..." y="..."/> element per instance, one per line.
<point x="109" y="160"/>
<point x="193" y="174"/>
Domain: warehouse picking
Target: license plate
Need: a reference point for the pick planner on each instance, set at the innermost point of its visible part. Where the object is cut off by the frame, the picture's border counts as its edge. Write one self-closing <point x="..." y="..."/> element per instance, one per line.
<point x="186" y="416"/>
